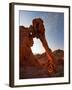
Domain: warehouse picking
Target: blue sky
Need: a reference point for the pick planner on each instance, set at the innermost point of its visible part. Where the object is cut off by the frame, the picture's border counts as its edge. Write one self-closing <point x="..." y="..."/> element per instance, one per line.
<point x="54" y="28"/>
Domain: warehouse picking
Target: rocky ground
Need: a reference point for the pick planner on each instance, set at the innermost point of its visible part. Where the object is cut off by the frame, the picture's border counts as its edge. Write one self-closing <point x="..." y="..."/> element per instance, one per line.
<point x="42" y="72"/>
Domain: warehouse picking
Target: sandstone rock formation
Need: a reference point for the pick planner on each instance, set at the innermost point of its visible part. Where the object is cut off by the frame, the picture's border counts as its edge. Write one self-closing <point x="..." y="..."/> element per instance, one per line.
<point x="30" y="65"/>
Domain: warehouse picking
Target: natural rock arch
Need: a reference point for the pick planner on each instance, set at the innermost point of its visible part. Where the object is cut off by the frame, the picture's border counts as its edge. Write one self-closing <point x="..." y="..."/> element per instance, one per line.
<point x="26" y="35"/>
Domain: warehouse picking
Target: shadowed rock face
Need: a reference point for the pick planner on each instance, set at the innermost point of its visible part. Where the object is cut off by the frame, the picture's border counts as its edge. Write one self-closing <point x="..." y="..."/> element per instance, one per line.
<point x="26" y="41"/>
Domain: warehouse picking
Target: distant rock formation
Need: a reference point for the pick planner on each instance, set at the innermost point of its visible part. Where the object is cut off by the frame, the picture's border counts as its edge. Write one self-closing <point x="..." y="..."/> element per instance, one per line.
<point x="59" y="54"/>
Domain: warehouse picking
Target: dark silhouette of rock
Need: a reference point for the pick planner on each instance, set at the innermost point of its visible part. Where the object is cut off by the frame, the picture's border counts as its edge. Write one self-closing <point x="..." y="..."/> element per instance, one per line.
<point x="59" y="54"/>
